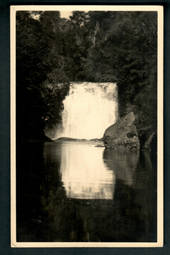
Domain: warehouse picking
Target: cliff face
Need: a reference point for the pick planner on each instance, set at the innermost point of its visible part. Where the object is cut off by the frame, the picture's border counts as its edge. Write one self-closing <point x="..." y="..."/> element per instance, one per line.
<point x="122" y="134"/>
<point x="126" y="134"/>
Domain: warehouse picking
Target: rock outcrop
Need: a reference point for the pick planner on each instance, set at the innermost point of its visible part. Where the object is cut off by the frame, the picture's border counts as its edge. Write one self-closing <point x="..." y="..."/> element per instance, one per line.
<point x="122" y="134"/>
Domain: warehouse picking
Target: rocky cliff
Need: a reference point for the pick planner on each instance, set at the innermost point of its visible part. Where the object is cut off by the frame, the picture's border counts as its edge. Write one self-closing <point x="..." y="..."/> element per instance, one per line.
<point x="122" y="134"/>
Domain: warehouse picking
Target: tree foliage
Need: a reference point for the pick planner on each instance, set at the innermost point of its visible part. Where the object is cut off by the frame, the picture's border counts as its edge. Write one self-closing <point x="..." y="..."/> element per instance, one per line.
<point x="90" y="46"/>
<point x="41" y="81"/>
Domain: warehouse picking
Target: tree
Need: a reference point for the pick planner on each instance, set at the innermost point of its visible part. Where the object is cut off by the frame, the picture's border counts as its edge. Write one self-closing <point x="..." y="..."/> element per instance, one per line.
<point x="96" y="46"/>
<point x="38" y="64"/>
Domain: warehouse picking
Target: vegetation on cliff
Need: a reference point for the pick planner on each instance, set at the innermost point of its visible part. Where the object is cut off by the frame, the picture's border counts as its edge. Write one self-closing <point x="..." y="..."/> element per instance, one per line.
<point x="90" y="46"/>
<point x="41" y="83"/>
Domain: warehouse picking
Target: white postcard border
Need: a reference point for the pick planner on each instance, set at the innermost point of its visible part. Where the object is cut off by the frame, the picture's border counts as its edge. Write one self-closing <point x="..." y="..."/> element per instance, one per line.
<point x="160" y="112"/>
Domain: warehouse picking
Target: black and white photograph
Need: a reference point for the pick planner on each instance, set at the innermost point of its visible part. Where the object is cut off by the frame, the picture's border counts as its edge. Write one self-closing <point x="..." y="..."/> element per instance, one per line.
<point x="86" y="126"/>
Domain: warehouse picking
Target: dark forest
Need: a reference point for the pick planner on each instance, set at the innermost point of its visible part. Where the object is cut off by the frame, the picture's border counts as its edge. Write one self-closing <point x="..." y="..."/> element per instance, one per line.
<point x="91" y="46"/>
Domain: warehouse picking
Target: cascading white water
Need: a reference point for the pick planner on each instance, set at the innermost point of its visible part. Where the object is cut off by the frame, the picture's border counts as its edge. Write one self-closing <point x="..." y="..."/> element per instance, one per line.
<point x="88" y="110"/>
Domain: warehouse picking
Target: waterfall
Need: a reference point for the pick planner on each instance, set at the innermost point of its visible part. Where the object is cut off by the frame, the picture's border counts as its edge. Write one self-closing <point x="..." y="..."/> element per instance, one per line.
<point x="88" y="110"/>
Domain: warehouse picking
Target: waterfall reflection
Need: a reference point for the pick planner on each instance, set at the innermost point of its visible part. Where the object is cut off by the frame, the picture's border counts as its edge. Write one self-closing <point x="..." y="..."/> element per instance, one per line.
<point x="84" y="174"/>
<point x="47" y="214"/>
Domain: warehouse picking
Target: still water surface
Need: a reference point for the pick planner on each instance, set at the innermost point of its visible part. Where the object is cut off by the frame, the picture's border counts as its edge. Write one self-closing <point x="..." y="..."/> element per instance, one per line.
<point x="79" y="191"/>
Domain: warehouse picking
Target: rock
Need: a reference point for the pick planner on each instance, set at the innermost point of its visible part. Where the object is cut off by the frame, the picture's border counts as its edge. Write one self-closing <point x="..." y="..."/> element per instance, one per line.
<point x="122" y="134"/>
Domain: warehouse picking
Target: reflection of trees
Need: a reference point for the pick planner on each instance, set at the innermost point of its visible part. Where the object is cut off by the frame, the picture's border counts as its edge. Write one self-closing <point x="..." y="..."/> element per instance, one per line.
<point x="53" y="193"/>
<point x="30" y="173"/>
<point x="123" y="163"/>
<point x="46" y="214"/>
<point x="39" y="190"/>
<point x="62" y="217"/>
<point x="145" y="184"/>
<point x="134" y="205"/>
<point x="128" y="218"/>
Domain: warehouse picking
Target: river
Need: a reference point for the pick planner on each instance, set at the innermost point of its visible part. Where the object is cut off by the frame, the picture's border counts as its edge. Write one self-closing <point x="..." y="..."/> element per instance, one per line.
<point x="78" y="191"/>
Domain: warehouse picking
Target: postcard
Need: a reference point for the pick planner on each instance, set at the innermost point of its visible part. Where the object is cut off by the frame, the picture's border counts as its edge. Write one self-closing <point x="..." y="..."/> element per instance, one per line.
<point x="86" y="126"/>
